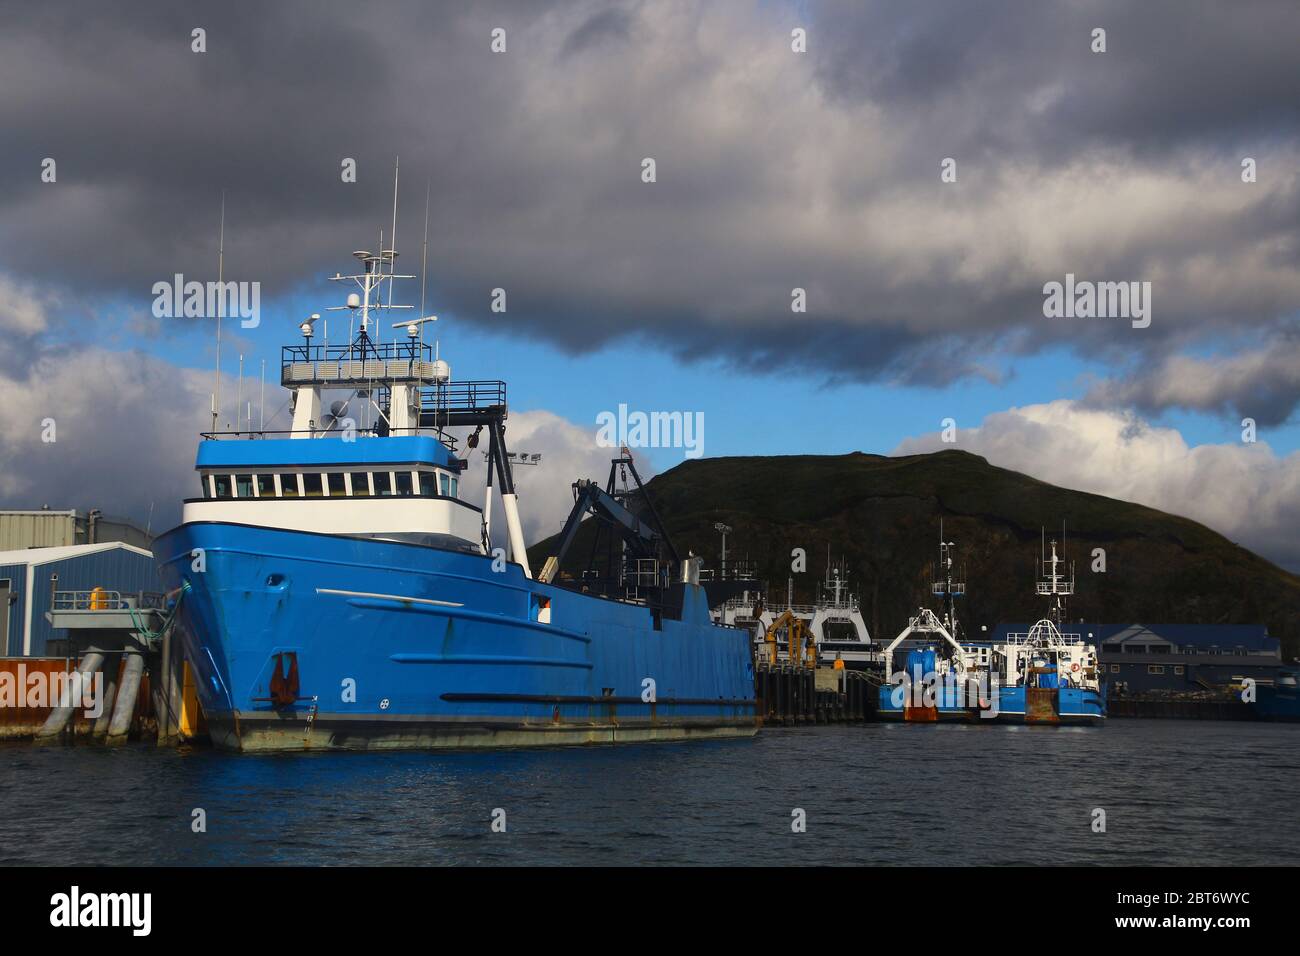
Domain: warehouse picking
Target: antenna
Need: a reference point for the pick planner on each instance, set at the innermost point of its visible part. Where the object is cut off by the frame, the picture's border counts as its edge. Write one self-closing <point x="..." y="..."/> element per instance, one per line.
<point x="392" y="263"/>
<point x="415" y="327"/>
<point x="221" y="265"/>
<point x="424" y="253"/>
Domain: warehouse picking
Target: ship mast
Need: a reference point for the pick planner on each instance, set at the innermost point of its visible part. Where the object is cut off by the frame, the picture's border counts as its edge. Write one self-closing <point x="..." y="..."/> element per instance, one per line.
<point x="949" y="589"/>
<point x="1053" y="583"/>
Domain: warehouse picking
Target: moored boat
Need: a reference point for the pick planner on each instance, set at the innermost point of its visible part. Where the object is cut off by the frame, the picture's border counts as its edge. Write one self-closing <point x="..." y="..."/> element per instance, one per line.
<point x="338" y="590"/>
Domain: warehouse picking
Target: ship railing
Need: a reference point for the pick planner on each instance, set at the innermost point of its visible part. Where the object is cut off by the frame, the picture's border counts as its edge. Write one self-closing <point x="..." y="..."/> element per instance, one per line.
<point x="467" y="396"/>
<point x="1048" y="588"/>
<point x="101" y="599"/>
<point x="286" y="433"/>
<point x="644" y="573"/>
<point x="1025" y="638"/>
<point x="741" y="570"/>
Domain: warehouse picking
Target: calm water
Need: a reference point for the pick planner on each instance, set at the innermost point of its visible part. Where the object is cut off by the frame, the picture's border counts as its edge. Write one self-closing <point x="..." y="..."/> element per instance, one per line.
<point x="1173" y="791"/>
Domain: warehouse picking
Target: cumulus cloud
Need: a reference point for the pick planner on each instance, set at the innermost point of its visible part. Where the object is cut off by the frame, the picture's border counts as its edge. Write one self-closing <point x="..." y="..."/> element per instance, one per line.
<point x="124" y="427"/>
<point x="568" y="451"/>
<point x="1244" y="491"/>
<point x="23" y="308"/>
<point x="775" y="170"/>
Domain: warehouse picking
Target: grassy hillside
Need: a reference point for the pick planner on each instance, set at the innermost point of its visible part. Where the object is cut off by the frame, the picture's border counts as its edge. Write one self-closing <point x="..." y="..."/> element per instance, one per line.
<point x="882" y="515"/>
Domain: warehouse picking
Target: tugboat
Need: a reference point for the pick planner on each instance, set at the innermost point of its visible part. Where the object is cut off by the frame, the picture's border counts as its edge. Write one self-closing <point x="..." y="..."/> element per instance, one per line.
<point x="941" y="679"/>
<point x="337" y="591"/>
<point x="1047" y="676"/>
<point x="1041" y="676"/>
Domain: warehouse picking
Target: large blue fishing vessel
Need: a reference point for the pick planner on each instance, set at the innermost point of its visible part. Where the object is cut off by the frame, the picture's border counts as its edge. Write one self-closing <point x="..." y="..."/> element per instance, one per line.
<point x="339" y="591"/>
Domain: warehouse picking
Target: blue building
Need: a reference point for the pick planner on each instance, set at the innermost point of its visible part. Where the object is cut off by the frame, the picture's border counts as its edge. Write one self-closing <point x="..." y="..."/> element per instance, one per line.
<point x="29" y="578"/>
<point x="1176" y="657"/>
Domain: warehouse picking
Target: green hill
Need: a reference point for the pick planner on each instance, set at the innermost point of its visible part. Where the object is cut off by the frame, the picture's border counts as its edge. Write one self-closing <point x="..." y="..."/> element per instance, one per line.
<point x="882" y="516"/>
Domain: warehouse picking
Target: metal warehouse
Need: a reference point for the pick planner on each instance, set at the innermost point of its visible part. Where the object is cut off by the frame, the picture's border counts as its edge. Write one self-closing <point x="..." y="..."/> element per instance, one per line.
<point x="28" y="579"/>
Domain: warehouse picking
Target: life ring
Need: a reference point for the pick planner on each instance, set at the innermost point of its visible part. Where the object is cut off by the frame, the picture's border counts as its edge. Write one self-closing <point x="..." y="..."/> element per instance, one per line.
<point x="1074" y="667"/>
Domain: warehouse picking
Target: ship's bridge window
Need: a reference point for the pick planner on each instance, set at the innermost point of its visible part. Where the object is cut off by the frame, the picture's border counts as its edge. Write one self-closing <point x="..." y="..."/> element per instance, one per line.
<point x="313" y="484"/>
<point x="289" y="486"/>
<point x="336" y="481"/>
<point x="455" y="487"/>
<point x="384" y="483"/>
<point x="266" y="486"/>
<point x="444" y="483"/>
<point x="243" y="486"/>
<point x="405" y="486"/>
<point x="428" y="484"/>
<point x="221" y="486"/>
<point x="207" y="486"/>
<point x="360" y="484"/>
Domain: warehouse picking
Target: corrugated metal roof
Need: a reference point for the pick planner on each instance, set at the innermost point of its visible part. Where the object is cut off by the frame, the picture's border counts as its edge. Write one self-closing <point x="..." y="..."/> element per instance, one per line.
<point x="35" y="556"/>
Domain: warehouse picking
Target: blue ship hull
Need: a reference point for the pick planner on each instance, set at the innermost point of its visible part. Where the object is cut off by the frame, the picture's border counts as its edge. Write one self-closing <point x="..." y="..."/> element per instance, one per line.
<point x="380" y="644"/>
<point x="1277" y="703"/>
<point x="1067" y="705"/>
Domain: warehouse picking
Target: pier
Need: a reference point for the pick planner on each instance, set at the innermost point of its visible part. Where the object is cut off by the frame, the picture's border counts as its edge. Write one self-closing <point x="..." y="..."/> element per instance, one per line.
<point x="790" y="694"/>
<point x="1180" y="709"/>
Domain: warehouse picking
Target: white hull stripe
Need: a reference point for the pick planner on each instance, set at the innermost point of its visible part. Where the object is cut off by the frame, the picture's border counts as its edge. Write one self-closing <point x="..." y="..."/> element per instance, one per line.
<point x="389" y="597"/>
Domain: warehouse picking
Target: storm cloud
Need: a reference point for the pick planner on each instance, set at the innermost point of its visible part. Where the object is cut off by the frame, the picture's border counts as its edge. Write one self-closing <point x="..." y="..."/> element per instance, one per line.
<point x="776" y="170"/>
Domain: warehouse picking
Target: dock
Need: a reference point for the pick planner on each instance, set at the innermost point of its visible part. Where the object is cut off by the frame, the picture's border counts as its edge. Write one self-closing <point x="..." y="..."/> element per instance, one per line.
<point x="789" y="694"/>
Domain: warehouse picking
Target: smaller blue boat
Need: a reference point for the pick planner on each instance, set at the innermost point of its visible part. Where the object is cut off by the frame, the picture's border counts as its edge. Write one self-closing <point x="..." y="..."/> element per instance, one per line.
<point x="1041" y="676"/>
<point x="1279" y="700"/>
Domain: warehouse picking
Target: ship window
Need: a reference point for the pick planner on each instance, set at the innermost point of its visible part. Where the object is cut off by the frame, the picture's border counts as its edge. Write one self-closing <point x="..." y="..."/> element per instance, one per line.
<point x="428" y="483"/>
<point x="313" y="485"/>
<point x="384" y="483"/>
<point x="455" y="487"/>
<point x="361" y="484"/>
<point x="266" y="486"/>
<point x="243" y="486"/>
<point x="1155" y="668"/>
<point x="336" y="481"/>
<point x="1114" y="668"/>
<point x="1178" y="669"/>
<point x="404" y="485"/>
<point x="221" y="486"/>
<point x="207" y="486"/>
<point x="444" y="484"/>
<point x="289" y="486"/>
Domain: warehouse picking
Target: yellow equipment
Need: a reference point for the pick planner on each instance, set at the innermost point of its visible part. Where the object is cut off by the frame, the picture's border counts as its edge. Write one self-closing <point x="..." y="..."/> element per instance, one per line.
<point x="803" y="647"/>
